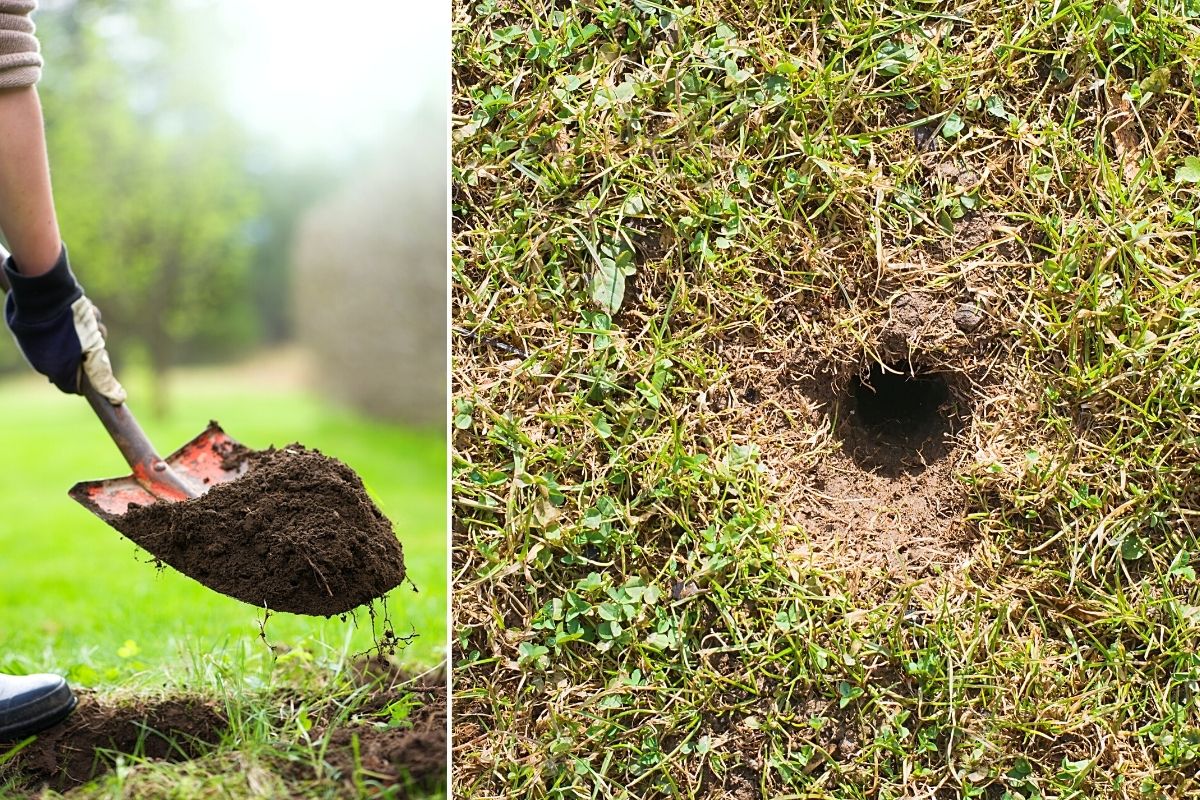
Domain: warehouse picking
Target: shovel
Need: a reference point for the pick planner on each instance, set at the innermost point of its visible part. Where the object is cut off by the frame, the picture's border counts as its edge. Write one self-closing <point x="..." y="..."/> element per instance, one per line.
<point x="210" y="458"/>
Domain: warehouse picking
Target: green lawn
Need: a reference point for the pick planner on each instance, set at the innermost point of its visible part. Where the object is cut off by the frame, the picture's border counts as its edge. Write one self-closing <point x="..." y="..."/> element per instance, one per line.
<point x="73" y="591"/>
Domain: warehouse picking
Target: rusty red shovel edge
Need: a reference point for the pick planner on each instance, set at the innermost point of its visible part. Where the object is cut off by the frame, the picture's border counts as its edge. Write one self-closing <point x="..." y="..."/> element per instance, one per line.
<point x="208" y="459"/>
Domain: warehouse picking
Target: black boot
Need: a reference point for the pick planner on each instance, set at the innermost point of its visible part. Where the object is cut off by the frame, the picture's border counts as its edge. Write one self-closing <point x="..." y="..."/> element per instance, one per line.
<point x="31" y="703"/>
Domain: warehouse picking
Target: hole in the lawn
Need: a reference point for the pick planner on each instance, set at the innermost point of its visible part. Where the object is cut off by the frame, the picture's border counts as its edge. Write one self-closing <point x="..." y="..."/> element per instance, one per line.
<point x="892" y="396"/>
<point x="901" y="418"/>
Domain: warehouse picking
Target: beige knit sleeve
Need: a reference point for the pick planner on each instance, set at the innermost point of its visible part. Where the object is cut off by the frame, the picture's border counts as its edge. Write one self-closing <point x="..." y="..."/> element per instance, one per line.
<point x="20" y="59"/>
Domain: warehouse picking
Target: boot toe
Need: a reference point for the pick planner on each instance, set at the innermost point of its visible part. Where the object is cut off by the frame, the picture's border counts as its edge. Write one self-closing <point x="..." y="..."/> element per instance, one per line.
<point x="31" y="703"/>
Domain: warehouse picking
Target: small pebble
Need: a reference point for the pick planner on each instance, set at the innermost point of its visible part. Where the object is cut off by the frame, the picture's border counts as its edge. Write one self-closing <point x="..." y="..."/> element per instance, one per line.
<point x="968" y="318"/>
<point x="682" y="589"/>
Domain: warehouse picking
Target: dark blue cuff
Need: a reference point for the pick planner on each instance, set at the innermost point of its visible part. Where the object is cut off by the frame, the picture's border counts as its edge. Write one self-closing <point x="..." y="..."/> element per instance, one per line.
<point x="44" y="297"/>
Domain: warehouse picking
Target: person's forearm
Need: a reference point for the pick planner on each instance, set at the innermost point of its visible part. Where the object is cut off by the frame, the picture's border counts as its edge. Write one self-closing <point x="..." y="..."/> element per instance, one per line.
<point x="26" y="203"/>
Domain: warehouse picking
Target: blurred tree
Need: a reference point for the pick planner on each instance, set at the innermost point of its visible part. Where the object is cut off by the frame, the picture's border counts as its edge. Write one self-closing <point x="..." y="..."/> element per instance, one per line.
<point x="183" y="226"/>
<point x="371" y="282"/>
<point x="286" y="193"/>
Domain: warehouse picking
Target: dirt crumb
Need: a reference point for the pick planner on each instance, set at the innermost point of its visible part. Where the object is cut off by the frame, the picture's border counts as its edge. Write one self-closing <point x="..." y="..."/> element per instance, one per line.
<point x="297" y="533"/>
<point x="83" y="746"/>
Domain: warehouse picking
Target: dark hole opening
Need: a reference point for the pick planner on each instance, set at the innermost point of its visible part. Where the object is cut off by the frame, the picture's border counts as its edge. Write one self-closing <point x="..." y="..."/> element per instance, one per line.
<point x="901" y="418"/>
<point x="895" y="398"/>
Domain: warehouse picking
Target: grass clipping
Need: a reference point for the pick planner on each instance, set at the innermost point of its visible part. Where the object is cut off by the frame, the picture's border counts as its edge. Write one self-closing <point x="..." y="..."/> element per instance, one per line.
<point x="296" y="533"/>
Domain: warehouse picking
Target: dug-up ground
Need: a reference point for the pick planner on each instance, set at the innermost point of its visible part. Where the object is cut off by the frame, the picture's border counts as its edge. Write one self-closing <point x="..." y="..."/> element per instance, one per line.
<point x="373" y="731"/>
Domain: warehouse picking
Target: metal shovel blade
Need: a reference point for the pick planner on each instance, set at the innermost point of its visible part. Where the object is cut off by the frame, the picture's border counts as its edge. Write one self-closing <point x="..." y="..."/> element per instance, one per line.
<point x="208" y="459"/>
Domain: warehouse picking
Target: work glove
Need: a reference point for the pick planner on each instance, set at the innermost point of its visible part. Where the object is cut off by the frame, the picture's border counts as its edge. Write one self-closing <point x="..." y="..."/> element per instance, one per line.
<point x="58" y="329"/>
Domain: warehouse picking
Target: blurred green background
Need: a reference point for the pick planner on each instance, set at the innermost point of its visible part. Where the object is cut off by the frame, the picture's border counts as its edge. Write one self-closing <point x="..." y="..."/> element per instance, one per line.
<point x="262" y="220"/>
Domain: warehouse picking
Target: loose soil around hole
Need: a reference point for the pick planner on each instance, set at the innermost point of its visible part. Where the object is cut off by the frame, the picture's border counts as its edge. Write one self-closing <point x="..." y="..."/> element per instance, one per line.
<point x="80" y="748"/>
<point x="875" y="495"/>
<point x="297" y="532"/>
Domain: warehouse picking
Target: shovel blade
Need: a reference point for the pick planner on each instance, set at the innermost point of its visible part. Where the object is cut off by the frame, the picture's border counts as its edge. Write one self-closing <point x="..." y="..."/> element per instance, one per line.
<point x="208" y="459"/>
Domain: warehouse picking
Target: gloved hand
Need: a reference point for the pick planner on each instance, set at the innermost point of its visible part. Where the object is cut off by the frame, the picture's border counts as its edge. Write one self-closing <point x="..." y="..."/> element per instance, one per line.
<point x="58" y="329"/>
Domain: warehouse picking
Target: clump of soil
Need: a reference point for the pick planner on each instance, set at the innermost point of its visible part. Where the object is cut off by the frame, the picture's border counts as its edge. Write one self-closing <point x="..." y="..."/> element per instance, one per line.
<point x="297" y="532"/>
<point x="410" y="754"/>
<point x="82" y="747"/>
<point x="416" y="755"/>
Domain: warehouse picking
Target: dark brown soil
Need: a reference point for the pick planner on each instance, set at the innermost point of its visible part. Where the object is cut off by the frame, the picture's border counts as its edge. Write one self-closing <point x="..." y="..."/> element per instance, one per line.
<point x="297" y="532"/>
<point x="390" y="756"/>
<point x="83" y="747"/>
<point x="410" y="754"/>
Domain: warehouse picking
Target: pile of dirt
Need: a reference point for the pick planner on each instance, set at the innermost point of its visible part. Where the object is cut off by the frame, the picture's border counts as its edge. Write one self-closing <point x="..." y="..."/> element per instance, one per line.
<point x="392" y="756"/>
<point x="412" y="753"/>
<point x="84" y="746"/>
<point x="297" y="532"/>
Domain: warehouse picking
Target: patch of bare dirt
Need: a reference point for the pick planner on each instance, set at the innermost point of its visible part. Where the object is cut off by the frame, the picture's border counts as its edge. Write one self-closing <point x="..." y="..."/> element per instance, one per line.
<point x="865" y="456"/>
<point x="84" y="745"/>
<point x="906" y="525"/>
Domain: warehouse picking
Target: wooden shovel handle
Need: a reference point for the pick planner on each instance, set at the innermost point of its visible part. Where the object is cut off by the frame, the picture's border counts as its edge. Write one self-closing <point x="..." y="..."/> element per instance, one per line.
<point x="150" y="470"/>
